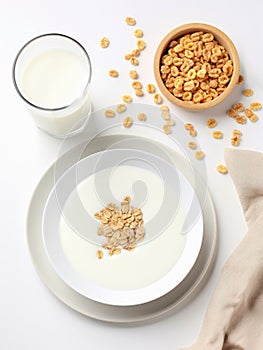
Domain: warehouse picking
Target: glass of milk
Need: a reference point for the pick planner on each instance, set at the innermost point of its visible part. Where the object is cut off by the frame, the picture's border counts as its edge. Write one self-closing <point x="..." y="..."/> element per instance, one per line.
<point x="52" y="74"/>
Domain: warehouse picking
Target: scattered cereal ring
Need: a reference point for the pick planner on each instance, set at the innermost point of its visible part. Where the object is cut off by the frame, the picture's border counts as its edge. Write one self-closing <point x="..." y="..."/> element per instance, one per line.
<point x="199" y="155"/>
<point x="238" y="107"/>
<point x="248" y="112"/>
<point x="130" y="21"/>
<point x="157" y="98"/>
<point x="241" y="119"/>
<point x="138" y="33"/>
<point x="139" y="92"/>
<point x="164" y="108"/>
<point x="104" y="42"/>
<point x="135" y="53"/>
<point x="240" y="79"/>
<point x="142" y="117"/>
<point x="127" y="98"/>
<point x="170" y="122"/>
<point x="255" y="106"/>
<point x="166" y="115"/>
<point x="127" y="122"/>
<point x="253" y="118"/>
<point x="134" y="74"/>
<point x="211" y="123"/>
<point x="188" y="126"/>
<point x="134" y="61"/>
<point x="120" y="108"/>
<point x="109" y="113"/>
<point x="99" y="254"/>
<point x="193" y="132"/>
<point x="151" y="88"/>
<point x="136" y="85"/>
<point x="232" y="113"/>
<point x="113" y="73"/>
<point x="192" y="145"/>
<point x="128" y="56"/>
<point x="248" y="92"/>
<point x="167" y="129"/>
<point x="217" y="134"/>
<point x="222" y="169"/>
<point x="141" y="45"/>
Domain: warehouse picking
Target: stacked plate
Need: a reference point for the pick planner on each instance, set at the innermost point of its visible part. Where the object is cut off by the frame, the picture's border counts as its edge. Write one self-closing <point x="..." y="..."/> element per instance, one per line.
<point x="163" y="270"/>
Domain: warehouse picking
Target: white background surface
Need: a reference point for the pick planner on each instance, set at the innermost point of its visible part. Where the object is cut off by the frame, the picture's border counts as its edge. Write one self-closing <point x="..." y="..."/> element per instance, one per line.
<point x="30" y="316"/>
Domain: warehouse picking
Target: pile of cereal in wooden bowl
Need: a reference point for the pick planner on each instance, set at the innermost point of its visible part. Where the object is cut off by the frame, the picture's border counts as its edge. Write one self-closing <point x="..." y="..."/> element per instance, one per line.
<point x="196" y="66"/>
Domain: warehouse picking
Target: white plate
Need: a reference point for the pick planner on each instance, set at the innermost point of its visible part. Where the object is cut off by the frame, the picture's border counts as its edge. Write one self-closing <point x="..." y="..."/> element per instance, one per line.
<point x="170" y="302"/>
<point x="174" y="230"/>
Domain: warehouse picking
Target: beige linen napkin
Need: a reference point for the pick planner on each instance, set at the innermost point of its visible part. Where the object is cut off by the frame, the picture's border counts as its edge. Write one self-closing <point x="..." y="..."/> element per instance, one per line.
<point x="234" y="318"/>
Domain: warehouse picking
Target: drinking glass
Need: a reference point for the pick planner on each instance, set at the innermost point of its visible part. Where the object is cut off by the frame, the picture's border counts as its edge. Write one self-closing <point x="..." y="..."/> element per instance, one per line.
<point x="52" y="74"/>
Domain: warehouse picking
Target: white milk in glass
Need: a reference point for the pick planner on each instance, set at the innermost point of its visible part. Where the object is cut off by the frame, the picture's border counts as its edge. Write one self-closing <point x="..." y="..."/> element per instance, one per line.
<point x="52" y="73"/>
<point x="55" y="81"/>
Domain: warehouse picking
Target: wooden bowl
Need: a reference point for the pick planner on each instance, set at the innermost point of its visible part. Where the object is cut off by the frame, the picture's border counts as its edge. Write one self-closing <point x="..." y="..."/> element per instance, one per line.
<point x="221" y="38"/>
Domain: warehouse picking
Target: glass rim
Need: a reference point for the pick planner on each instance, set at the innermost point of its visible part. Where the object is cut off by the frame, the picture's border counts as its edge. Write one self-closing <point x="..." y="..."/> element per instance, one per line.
<point x="15" y="65"/>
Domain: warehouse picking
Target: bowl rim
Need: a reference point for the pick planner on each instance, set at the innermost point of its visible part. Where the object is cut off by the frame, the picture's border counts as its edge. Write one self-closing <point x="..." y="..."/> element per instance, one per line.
<point x="220" y="36"/>
<point x="118" y="297"/>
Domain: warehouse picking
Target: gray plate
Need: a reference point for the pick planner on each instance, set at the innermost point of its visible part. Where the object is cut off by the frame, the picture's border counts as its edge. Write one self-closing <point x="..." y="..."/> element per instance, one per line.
<point x="120" y="314"/>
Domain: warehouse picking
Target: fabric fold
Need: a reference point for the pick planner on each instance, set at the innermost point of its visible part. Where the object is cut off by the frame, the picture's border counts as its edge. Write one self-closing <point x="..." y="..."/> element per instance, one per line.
<point x="234" y="318"/>
<point x="246" y="170"/>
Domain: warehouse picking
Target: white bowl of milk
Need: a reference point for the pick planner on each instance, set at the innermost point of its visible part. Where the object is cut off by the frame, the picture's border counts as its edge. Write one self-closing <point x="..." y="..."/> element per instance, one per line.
<point x="172" y="219"/>
<point x="52" y="74"/>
